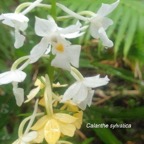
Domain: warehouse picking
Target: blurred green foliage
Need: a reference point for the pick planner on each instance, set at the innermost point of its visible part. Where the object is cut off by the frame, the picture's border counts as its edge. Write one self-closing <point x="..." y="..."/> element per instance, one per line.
<point x="119" y="102"/>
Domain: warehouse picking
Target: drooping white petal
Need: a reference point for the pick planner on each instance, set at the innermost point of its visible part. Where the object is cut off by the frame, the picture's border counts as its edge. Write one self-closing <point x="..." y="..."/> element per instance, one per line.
<point x="94" y="30"/>
<point x="71" y="91"/>
<point x="89" y="97"/>
<point x="12" y="76"/>
<point x="86" y="101"/>
<point x="44" y="27"/>
<point x="23" y="26"/>
<point x="97" y="22"/>
<point x="19" y="39"/>
<point x="73" y="52"/>
<point x="105" y="40"/>
<point x="39" y="50"/>
<point x="95" y="81"/>
<point x="19" y="95"/>
<point x="105" y="9"/>
<point x="61" y="61"/>
<point x="81" y="94"/>
<point x="106" y="22"/>
<point x="30" y="136"/>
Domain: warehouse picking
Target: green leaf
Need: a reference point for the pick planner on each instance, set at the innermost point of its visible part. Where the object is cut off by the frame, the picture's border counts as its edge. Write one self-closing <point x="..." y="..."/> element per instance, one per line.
<point x="122" y="73"/>
<point x="88" y="141"/>
<point x="130" y="33"/>
<point x="115" y="17"/>
<point x="121" y="31"/>
<point x="117" y="112"/>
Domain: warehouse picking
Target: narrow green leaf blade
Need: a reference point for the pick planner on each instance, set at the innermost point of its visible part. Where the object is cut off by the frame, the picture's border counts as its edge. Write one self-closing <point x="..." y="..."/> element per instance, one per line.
<point x="122" y="30"/>
<point x="130" y="33"/>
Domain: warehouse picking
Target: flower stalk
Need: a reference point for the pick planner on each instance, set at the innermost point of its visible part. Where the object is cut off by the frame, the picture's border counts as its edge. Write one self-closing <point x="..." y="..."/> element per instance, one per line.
<point x="18" y="62"/>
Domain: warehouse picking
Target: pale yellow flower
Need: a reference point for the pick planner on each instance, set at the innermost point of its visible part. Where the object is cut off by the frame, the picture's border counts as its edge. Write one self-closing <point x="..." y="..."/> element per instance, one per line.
<point x="50" y="128"/>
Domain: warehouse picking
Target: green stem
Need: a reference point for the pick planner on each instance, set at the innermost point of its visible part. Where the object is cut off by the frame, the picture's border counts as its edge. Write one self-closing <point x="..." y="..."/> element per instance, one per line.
<point x="53" y="9"/>
<point x="21" y="127"/>
<point x="82" y="13"/>
<point x="70" y="12"/>
<point x="32" y="6"/>
<point x="27" y="4"/>
<point x="22" y="6"/>
<point x="32" y="118"/>
<point x="19" y="61"/>
<point x="76" y="74"/>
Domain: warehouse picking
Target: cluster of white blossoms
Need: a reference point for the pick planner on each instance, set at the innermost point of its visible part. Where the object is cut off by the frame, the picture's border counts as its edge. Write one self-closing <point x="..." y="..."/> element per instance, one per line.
<point x="55" y="40"/>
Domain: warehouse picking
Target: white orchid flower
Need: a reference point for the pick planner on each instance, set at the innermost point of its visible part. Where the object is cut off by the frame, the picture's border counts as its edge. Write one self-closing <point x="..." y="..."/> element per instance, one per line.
<point x="66" y="54"/>
<point x="99" y="23"/>
<point x="27" y="136"/>
<point x="19" y="22"/>
<point x="12" y="76"/>
<point x="48" y="30"/>
<point x="81" y="92"/>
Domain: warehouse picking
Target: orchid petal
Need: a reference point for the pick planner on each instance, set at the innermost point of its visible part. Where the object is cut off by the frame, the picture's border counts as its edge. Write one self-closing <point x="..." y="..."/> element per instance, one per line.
<point x="40" y="136"/>
<point x="94" y="30"/>
<point x="72" y="31"/>
<point x="32" y="94"/>
<point x="65" y="118"/>
<point x="18" y="21"/>
<point x="40" y="123"/>
<point x="95" y="81"/>
<point x="39" y="50"/>
<point x="19" y="39"/>
<point x="19" y="95"/>
<point x="105" y="9"/>
<point x="87" y="101"/>
<point x="61" y="61"/>
<point x="105" y="40"/>
<point x="89" y="97"/>
<point x="67" y="129"/>
<point x="52" y="131"/>
<point x="106" y="22"/>
<point x="81" y="94"/>
<point x="73" y="52"/>
<point x="30" y="136"/>
<point x="12" y="76"/>
<point x="44" y="27"/>
<point x="8" y="22"/>
<point x="79" y="116"/>
<point x="71" y="91"/>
